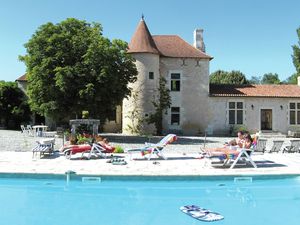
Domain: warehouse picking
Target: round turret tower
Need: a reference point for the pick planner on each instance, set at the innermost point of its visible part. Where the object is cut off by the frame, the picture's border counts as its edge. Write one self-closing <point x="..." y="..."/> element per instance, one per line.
<point x="138" y="107"/>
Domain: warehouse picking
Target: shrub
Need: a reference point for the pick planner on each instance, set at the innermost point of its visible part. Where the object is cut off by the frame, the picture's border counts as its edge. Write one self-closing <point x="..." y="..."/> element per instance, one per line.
<point x="118" y="149"/>
<point x="236" y="128"/>
<point x="81" y="139"/>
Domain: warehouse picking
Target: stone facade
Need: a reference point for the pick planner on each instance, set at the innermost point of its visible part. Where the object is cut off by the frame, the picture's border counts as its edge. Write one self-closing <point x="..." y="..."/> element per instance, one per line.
<point x="139" y="106"/>
<point x="252" y="114"/>
<point x="192" y="99"/>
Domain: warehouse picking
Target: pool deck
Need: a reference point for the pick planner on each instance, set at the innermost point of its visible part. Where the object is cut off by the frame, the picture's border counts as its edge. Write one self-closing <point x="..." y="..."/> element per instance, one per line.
<point x="182" y="165"/>
<point x="183" y="160"/>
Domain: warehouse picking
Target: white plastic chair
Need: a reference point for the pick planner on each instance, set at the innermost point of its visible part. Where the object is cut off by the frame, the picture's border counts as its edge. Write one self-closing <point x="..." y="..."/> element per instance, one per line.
<point x="24" y="130"/>
<point x="30" y="130"/>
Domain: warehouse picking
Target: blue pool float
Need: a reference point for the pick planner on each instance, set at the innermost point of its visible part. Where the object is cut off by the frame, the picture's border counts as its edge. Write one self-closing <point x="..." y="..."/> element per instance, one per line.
<point x="201" y="213"/>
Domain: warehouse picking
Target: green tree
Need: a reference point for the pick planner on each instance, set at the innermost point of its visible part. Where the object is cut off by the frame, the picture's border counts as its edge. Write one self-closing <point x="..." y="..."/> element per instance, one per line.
<point x="255" y="80"/>
<point x="232" y="77"/>
<point x="72" y="68"/>
<point x="218" y="77"/>
<point x="293" y="79"/>
<point x="161" y="106"/>
<point x="296" y="54"/>
<point x="270" y="78"/>
<point x="14" y="108"/>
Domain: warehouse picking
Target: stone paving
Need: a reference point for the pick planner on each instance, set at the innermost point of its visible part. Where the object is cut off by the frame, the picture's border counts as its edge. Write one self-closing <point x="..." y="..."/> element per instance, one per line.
<point x="183" y="158"/>
<point x="17" y="141"/>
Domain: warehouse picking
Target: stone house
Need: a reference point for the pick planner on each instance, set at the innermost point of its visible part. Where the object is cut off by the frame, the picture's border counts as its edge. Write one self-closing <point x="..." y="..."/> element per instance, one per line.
<point x="197" y="106"/>
<point x="259" y="107"/>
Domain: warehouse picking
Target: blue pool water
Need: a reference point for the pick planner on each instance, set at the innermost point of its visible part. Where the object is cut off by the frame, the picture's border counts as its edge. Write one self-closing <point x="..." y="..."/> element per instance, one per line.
<point x="141" y="201"/>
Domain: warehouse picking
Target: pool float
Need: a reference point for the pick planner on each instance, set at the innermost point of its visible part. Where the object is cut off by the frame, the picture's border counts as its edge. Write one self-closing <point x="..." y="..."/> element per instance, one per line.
<point x="201" y="213"/>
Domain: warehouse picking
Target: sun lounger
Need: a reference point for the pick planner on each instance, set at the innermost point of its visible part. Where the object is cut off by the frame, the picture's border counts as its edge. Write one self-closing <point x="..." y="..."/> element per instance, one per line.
<point x="293" y="148"/>
<point x="99" y="150"/>
<point x="276" y="146"/>
<point x="261" y="145"/>
<point x="232" y="157"/>
<point x="150" y="149"/>
<point x="43" y="147"/>
<point x="74" y="149"/>
<point x="93" y="149"/>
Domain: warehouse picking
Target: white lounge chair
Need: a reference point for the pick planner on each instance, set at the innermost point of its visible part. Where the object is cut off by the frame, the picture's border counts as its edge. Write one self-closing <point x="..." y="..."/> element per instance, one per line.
<point x="244" y="155"/>
<point x="261" y="145"/>
<point x="98" y="150"/>
<point x="150" y="149"/>
<point x="94" y="149"/>
<point x="236" y="157"/>
<point x="45" y="146"/>
<point x="293" y="148"/>
<point x="276" y="146"/>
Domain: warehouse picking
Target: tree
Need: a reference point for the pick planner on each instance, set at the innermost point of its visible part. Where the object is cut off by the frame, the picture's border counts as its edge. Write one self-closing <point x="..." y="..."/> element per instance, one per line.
<point x="255" y="80"/>
<point x="293" y="79"/>
<point x="236" y="77"/>
<point x="296" y="54"/>
<point x="14" y="108"/>
<point x="72" y="68"/>
<point x="270" y="78"/>
<point x="223" y="77"/>
<point x="161" y="106"/>
<point x="218" y="77"/>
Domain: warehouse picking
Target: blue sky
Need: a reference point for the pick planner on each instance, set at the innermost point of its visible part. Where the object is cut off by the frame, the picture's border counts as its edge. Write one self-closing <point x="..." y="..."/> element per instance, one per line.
<point x="253" y="36"/>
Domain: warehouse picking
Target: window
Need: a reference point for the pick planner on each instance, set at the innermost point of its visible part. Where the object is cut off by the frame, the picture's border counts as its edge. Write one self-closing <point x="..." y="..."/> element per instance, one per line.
<point x="151" y="75"/>
<point x="294" y="113"/>
<point x="175" y="115"/>
<point x="236" y="112"/>
<point x="175" y="81"/>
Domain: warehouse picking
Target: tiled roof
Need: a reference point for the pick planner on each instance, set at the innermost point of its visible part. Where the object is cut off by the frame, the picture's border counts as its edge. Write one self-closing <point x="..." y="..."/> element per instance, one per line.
<point x="268" y="91"/>
<point x="22" y="78"/>
<point x="142" y="40"/>
<point x="165" y="45"/>
<point x="174" y="46"/>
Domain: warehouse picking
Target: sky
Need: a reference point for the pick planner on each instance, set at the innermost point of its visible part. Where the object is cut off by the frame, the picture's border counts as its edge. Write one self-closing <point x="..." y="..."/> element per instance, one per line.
<point x="252" y="36"/>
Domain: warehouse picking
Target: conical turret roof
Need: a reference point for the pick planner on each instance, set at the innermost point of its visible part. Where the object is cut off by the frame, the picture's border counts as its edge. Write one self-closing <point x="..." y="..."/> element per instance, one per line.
<point x="142" y="40"/>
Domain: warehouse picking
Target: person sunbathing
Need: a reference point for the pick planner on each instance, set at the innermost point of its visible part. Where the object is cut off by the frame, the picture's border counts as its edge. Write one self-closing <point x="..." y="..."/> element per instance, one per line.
<point x="229" y="150"/>
<point x="103" y="142"/>
<point x="238" y="141"/>
<point x="75" y="147"/>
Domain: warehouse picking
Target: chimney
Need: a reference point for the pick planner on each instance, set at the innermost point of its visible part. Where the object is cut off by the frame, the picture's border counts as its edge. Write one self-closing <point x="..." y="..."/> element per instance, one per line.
<point x="198" y="40"/>
<point x="298" y="80"/>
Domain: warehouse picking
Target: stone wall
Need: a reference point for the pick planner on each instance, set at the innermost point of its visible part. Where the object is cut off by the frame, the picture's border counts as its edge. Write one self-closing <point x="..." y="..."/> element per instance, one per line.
<point x="252" y="115"/>
<point x="144" y="91"/>
<point x="193" y="96"/>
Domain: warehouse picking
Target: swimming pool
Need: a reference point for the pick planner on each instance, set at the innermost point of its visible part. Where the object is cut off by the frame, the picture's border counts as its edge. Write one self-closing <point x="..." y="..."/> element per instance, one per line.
<point x="143" y="200"/>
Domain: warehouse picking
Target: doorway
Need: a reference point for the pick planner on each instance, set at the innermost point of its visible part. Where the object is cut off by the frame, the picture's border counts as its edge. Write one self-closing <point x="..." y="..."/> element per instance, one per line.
<point x="266" y="119"/>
